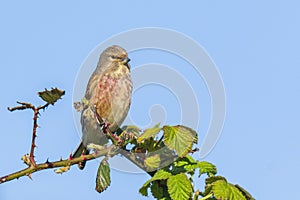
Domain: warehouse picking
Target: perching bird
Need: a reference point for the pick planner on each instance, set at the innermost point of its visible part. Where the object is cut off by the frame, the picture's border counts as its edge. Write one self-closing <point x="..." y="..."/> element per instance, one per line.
<point x="108" y="96"/>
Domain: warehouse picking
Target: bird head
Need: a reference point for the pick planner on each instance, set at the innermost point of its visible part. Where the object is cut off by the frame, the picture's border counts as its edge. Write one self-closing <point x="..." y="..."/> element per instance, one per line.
<point x="113" y="54"/>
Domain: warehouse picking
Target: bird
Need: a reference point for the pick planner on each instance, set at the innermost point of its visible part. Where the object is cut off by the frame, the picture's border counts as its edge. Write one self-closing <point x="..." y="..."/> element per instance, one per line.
<point x="108" y="96"/>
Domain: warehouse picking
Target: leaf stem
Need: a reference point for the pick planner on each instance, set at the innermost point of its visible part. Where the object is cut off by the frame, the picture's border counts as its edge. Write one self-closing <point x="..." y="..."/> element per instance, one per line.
<point x="207" y="197"/>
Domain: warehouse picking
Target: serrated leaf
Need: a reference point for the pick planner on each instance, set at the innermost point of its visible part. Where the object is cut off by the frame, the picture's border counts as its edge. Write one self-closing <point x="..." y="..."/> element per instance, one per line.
<point x="209" y="182"/>
<point x="159" y="175"/>
<point x="144" y="190"/>
<point x="103" y="176"/>
<point x="148" y="133"/>
<point x="221" y="189"/>
<point x="187" y="160"/>
<point x="159" y="190"/>
<point x="207" y="168"/>
<point x="51" y="96"/>
<point x="152" y="162"/>
<point x="213" y="179"/>
<point x="179" y="187"/>
<point x="190" y="165"/>
<point x="179" y="138"/>
<point x="245" y="193"/>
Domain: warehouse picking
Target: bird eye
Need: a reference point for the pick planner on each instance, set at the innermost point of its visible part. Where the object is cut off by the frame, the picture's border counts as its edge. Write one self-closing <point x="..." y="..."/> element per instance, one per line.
<point x="114" y="57"/>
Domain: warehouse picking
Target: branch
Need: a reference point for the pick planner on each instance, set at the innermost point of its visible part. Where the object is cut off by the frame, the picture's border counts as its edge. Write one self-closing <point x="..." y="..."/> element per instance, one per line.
<point x="49" y="165"/>
<point x="22" y="107"/>
<point x="36" y="112"/>
<point x="118" y="144"/>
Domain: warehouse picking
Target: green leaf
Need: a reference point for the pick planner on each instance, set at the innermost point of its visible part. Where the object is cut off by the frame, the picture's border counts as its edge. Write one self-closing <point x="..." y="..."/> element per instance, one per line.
<point x="190" y="165"/>
<point x="213" y="179"/>
<point x="245" y="193"/>
<point x="103" y="176"/>
<point x="148" y="133"/>
<point x="207" y="168"/>
<point x="185" y="164"/>
<point x="159" y="190"/>
<point x="187" y="160"/>
<point x="51" y="96"/>
<point x="179" y="138"/>
<point x="144" y="190"/>
<point x="180" y="187"/>
<point x="221" y="189"/>
<point x="159" y="175"/>
<point x="209" y="182"/>
<point x="152" y="162"/>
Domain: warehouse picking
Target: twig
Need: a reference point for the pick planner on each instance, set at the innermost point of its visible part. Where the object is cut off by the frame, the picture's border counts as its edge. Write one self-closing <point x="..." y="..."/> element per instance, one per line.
<point x="23" y="106"/>
<point x="114" y="149"/>
<point x="48" y="165"/>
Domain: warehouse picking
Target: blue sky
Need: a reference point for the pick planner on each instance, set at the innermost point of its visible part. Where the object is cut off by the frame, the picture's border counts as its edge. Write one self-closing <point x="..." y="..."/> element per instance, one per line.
<point x="255" y="46"/>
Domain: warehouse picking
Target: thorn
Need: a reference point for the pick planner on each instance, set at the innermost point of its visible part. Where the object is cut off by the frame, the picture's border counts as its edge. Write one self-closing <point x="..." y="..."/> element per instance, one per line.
<point x="29" y="176"/>
<point x="49" y="164"/>
<point x="71" y="156"/>
<point x="84" y="158"/>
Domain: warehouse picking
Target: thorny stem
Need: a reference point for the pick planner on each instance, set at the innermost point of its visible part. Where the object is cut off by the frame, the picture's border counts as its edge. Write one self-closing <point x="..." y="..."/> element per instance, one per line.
<point x="112" y="150"/>
<point x="33" y="145"/>
<point x="48" y="165"/>
<point x="36" y="110"/>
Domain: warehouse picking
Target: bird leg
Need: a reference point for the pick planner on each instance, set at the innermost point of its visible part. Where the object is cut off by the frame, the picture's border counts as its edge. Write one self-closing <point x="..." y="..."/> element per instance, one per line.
<point x="104" y="125"/>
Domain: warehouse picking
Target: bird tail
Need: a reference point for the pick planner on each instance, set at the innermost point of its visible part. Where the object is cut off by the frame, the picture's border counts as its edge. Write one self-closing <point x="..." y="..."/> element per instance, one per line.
<point x="81" y="150"/>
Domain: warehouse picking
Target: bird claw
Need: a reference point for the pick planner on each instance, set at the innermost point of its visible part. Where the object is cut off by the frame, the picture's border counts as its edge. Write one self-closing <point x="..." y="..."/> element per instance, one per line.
<point x="101" y="121"/>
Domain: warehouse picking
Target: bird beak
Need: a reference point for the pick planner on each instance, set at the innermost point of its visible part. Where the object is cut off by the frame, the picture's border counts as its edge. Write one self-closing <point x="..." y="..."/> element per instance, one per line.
<point x="125" y="61"/>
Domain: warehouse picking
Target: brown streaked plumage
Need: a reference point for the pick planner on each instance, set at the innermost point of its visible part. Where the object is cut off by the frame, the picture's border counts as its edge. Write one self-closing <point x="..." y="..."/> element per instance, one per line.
<point x="108" y="94"/>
